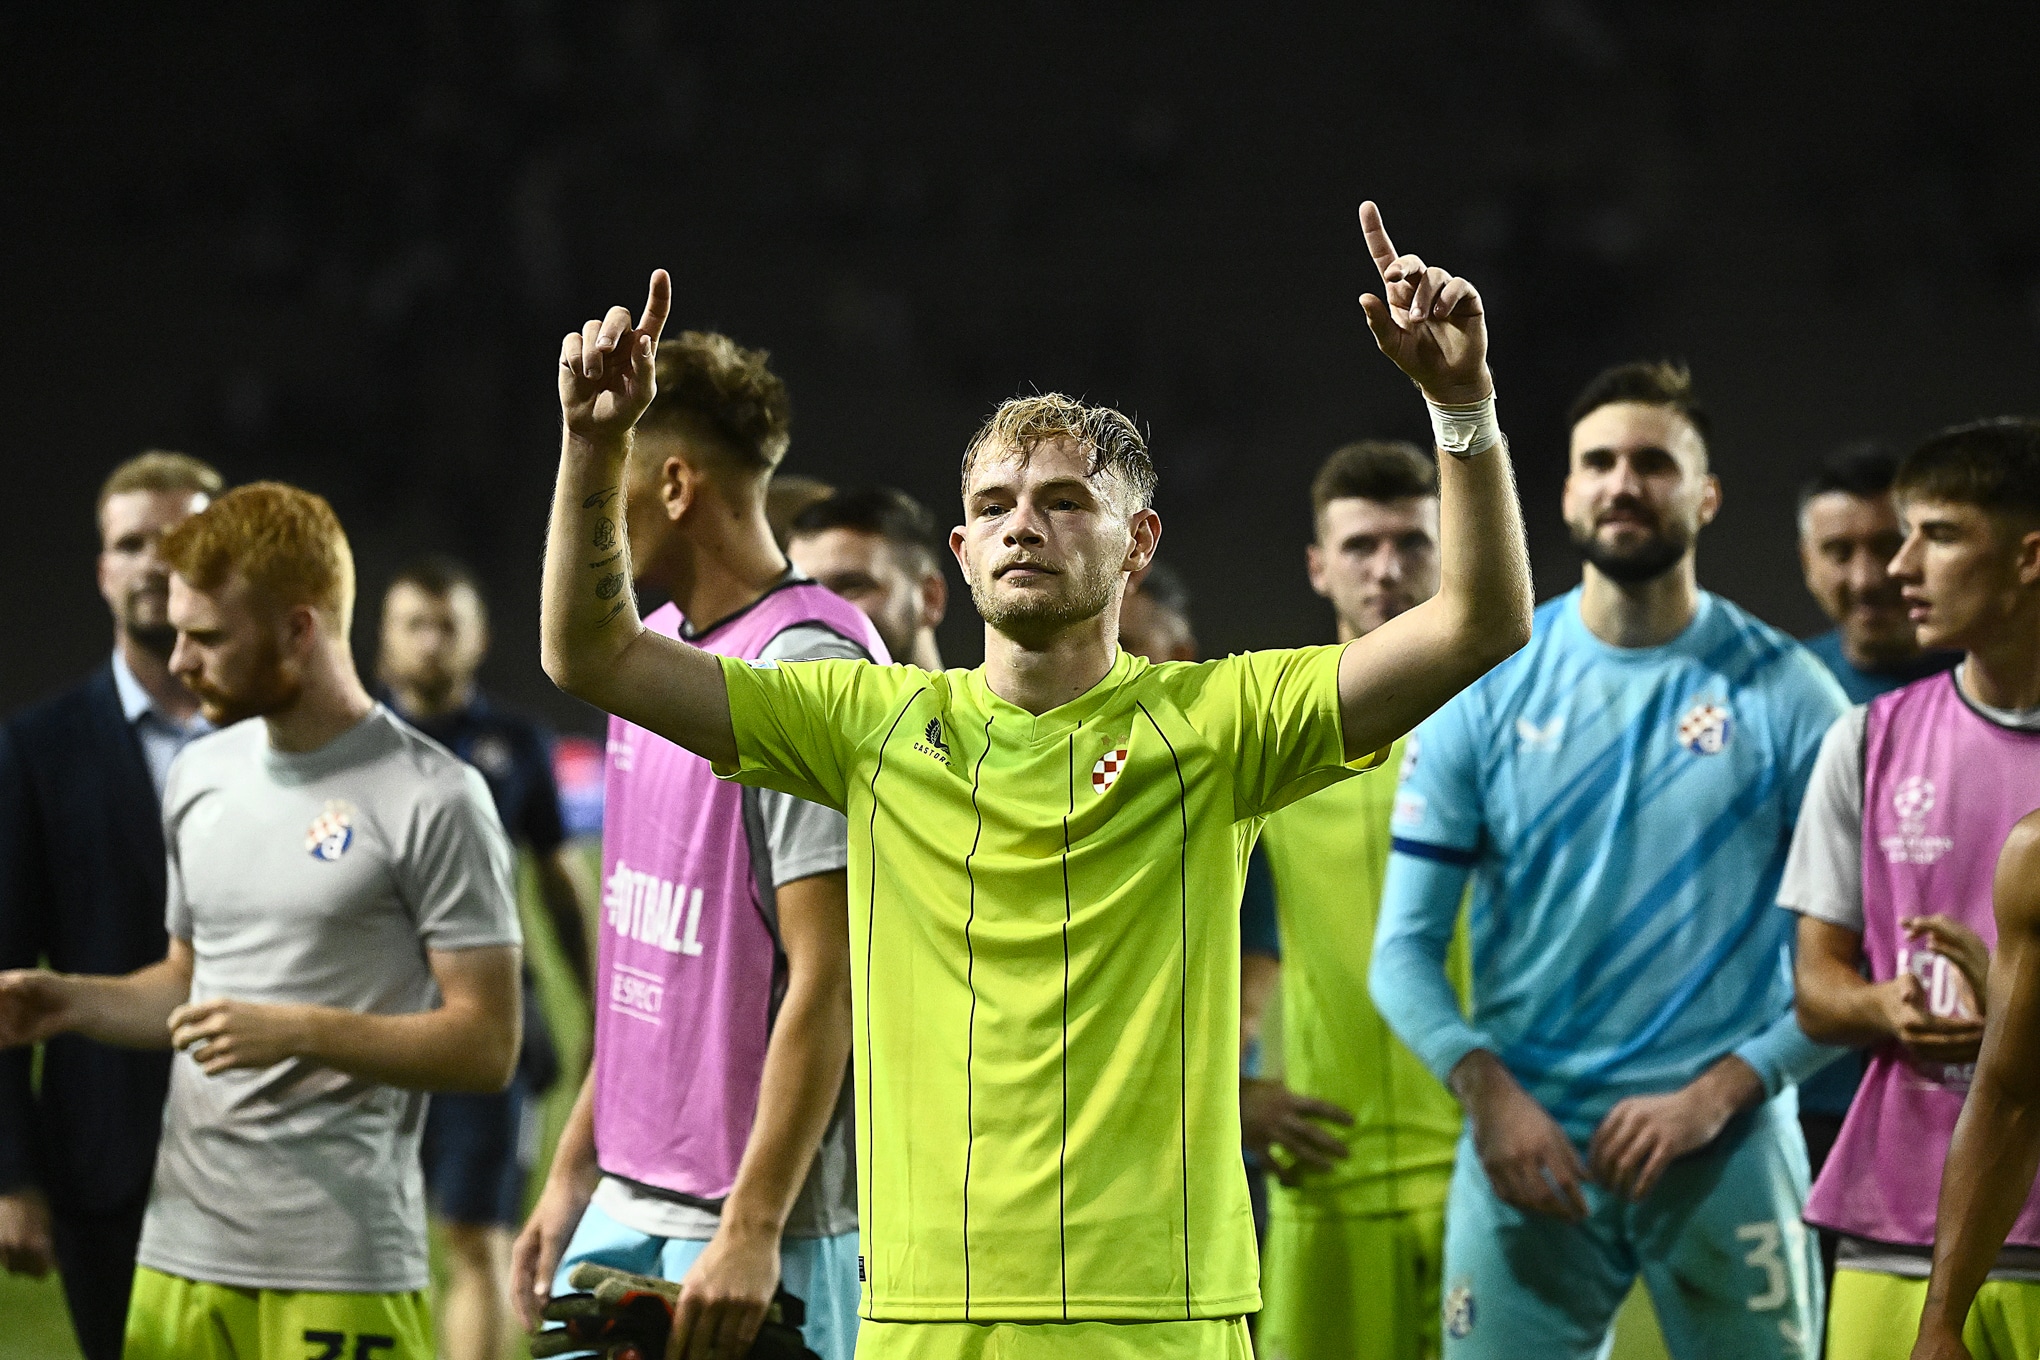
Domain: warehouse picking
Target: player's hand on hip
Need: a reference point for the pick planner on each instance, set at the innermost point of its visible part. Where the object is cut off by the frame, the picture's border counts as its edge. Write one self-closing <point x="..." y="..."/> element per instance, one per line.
<point x="1273" y="1116"/>
<point x="1529" y="1160"/>
<point x="1925" y="1036"/>
<point x="535" y="1255"/>
<point x="26" y="1246"/>
<point x="725" y="1295"/>
<point x="1430" y="322"/>
<point x="1961" y="946"/>
<point x="35" y="1005"/>
<point x="606" y="368"/>
<point x="223" y="1034"/>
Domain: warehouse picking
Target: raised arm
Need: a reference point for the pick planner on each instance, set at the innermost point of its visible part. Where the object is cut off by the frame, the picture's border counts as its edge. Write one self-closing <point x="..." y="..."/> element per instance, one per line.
<point x="1432" y="326"/>
<point x="1996" y="1148"/>
<point x="591" y="640"/>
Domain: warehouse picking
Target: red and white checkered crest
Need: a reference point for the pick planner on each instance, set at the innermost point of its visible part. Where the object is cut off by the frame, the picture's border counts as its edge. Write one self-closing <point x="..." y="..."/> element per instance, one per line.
<point x="1106" y="772"/>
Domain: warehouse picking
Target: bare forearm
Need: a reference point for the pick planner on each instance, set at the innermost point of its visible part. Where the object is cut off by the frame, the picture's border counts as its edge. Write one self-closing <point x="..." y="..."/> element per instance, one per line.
<point x="588" y="612"/>
<point x="131" y="1011"/>
<point x="803" y="1078"/>
<point x="1260" y="975"/>
<point x="1988" y="1177"/>
<point x="1837" y="1005"/>
<point x="573" y="1158"/>
<point x="446" y="1049"/>
<point x="1484" y="563"/>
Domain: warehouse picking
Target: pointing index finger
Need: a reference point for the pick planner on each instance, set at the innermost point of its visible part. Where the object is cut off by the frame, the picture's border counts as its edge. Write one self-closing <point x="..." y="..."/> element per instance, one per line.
<point x="1378" y="244"/>
<point x="657" y="305"/>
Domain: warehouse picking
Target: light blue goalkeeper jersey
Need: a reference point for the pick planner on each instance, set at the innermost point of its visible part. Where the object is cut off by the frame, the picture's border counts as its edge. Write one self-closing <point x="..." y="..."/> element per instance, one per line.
<point x="1624" y="814"/>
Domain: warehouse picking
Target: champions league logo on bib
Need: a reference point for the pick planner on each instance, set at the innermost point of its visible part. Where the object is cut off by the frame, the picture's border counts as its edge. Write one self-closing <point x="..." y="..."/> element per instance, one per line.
<point x="1706" y="728"/>
<point x="331" y="832"/>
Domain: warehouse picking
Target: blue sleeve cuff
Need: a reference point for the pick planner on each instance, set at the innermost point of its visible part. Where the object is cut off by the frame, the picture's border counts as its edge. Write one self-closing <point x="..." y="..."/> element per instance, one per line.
<point x="1783" y="1056"/>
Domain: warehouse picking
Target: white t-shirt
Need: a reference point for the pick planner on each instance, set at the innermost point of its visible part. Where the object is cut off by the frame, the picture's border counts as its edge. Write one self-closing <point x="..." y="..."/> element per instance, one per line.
<point x="319" y="878"/>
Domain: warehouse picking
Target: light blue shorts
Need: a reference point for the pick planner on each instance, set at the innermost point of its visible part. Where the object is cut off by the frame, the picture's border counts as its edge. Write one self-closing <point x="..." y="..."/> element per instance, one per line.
<point x="1731" y="1268"/>
<point x="820" y="1271"/>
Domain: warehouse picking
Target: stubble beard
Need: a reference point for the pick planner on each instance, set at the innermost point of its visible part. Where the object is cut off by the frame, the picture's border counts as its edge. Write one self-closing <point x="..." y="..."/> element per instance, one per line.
<point x="271" y="690"/>
<point x="1031" y="618"/>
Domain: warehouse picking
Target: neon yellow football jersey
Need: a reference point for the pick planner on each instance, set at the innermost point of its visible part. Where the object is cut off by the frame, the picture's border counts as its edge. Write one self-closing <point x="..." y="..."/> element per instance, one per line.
<point x="1044" y="932"/>
<point x="1329" y="855"/>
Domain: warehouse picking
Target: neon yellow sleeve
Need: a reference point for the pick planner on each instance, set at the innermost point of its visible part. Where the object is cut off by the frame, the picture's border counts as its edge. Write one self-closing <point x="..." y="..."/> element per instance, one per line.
<point x="799" y="724"/>
<point x="1281" y="712"/>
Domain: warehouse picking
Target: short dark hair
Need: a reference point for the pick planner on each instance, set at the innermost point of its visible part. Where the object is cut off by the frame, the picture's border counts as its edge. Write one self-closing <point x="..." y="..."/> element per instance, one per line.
<point x="1166" y="589"/>
<point x="1659" y="383"/>
<point x="889" y="513"/>
<point x="1993" y="465"/>
<point x="730" y="392"/>
<point x="1373" y="470"/>
<point x="439" y="575"/>
<point x="1865" y="470"/>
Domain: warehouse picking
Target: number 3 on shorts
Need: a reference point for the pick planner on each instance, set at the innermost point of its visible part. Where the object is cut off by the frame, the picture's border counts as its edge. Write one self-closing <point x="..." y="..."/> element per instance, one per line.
<point x="1765" y="1257"/>
<point x="365" y="1345"/>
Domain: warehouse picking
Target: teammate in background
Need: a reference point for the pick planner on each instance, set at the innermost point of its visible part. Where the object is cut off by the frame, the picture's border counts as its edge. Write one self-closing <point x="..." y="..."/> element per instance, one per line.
<point x="1049" y="850"/>
<point x="876" y="548"/>
<point x="1621" y="795"/>
<point x="786" y="495"/>
<point x="81" y="887"/>
<point x="710" y="1144"/>
<point x="343" y="938"/>
<point x="1356" y="1239"/>
<point x="1890" y="874"/>
<point x="1988" y="1179"/>
<point x="435" y="633"/>
<point x="1154" y="616"/>
<point x="1848" y="534"/>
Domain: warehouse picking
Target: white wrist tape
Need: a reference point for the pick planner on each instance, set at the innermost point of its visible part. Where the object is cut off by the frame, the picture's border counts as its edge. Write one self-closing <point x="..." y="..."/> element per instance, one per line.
<point x="1464" y="431"/>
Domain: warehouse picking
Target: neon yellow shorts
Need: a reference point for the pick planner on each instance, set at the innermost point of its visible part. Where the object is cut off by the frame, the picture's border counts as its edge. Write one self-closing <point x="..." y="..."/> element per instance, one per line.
<point x="172" y="1318"/>
<point x="1216" y="1339"/>
<point x="1873" y="1315"/>
<point x="1361" y="1287"/>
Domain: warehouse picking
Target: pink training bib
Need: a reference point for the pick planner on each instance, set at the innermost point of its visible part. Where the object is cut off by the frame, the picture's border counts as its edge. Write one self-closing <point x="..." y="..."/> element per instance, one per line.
<point x="1942" y="787"/>
<point x="688" y="966"/>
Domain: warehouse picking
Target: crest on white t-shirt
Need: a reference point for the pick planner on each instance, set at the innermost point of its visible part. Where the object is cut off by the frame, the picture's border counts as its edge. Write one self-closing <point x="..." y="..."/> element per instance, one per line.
<point x="331" y="832"/>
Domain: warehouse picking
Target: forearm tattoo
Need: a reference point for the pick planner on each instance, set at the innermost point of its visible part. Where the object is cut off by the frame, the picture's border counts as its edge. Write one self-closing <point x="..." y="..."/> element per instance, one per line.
<point x="610" y="584"/>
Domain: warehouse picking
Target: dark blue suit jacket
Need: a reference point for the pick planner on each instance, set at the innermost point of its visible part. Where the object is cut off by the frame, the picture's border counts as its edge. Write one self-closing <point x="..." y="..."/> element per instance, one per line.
<point x="81" y="886"/>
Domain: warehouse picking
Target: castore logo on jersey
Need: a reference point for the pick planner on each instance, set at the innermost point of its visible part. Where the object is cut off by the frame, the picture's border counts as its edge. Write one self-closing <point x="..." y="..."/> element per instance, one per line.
<point x="931" y="743"/>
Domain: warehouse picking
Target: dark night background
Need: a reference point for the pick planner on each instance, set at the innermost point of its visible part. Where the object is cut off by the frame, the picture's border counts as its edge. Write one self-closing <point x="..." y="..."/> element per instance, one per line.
<point x="339" y="245"/>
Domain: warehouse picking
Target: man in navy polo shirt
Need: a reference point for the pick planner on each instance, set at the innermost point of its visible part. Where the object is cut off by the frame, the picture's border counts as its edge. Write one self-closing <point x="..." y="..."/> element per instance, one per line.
<point x="435" y="633"/>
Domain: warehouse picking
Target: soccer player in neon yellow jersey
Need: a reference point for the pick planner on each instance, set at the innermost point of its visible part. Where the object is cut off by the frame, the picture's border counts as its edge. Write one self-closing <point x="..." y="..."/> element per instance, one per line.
<point x="1356" y="1233"/>
<point x="1046" y="853"/>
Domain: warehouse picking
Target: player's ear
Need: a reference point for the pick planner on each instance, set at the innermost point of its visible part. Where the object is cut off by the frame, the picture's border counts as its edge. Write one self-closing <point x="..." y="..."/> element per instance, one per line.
<point x="934" y="594"/>
<point x="2029" y="558"/>
<point x="1710" y="498"/>
<point x="1314" y="568"/>
<point x="1145" y="533"/>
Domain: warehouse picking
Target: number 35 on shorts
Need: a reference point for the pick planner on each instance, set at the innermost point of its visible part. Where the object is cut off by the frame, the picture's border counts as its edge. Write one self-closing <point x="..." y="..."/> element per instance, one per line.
<point x="333" y="1345"/>
<point x="1766" y="1241"/>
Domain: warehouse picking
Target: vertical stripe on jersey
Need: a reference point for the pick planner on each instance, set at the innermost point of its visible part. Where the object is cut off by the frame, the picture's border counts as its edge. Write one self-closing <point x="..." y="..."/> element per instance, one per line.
<point x="1062" y="1227"/>
<point x="970" y="981"/>
<point x="867" y="1188"/>
<point x="1183" y="994"/>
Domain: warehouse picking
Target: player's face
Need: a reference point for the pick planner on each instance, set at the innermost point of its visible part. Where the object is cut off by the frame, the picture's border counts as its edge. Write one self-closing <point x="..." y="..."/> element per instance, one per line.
<point x="132" y="577"/>
<point x="1846" y="544"/>
<point x="1638" y="491"/>
<point x="239" y="656"/>
<point x="433" y="644"/>
<point x="1147" y="629"/>
<point x="1044" y="543"/>
<point x="1963" y="571"/>
<point x="1375" y="559"/>
<point x="868" y="572"/>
